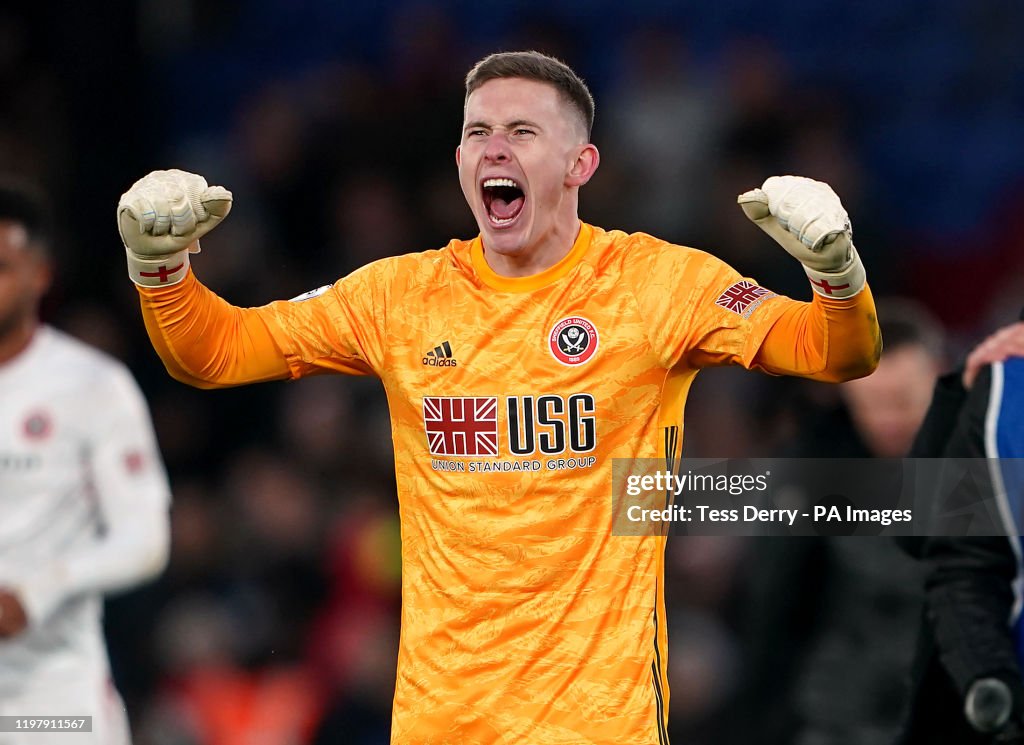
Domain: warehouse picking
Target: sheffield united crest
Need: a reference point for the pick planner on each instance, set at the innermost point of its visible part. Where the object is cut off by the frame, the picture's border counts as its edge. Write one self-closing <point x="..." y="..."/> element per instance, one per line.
<point x="573" y="340"/>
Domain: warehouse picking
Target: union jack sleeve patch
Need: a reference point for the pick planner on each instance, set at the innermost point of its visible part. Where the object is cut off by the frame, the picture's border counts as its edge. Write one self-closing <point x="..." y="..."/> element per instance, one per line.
<point x="743" y="297"/>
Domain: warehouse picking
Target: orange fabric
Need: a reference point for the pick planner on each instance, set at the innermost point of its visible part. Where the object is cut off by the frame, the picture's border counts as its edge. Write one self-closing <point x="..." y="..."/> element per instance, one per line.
<point x="523" y="618"/>
<point x="204" y="341"/>
<point x="824" y="339"/>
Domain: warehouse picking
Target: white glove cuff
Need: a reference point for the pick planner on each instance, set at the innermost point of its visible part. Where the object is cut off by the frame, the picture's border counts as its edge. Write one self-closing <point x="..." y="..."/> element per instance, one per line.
<point x="162" y="271"/>
<point x="842" y="284"/>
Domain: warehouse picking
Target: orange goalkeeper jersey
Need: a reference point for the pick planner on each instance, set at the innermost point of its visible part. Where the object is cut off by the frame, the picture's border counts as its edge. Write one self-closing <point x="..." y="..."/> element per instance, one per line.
<point x="524" y="620"/>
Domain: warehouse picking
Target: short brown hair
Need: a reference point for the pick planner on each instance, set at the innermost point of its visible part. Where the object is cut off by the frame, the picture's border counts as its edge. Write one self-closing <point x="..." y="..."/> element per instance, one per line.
<point x="540" y="67"/>
<point x="907" y="323"/>
<point x="24" y="203"/>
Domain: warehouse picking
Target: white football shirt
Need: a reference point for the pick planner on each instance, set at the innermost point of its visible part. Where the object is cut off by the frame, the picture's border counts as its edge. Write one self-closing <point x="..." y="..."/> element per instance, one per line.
<point x="84" y="504"/>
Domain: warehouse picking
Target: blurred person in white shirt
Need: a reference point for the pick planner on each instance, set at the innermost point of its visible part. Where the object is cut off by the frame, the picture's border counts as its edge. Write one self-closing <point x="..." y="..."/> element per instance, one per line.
<point x="83" y="501"/>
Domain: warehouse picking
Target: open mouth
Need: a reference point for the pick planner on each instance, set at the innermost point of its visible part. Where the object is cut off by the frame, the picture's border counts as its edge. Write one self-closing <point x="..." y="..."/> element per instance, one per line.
<point x="504" y="200"/>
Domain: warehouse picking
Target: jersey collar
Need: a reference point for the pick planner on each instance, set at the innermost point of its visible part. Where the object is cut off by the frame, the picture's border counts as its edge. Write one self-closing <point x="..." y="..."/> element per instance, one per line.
<point x="534" y="281"/>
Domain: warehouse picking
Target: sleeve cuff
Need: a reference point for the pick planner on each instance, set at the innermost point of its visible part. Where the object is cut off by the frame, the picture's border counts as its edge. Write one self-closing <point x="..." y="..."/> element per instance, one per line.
<point x="159" y="272"/>
<point x="843" y="284"/>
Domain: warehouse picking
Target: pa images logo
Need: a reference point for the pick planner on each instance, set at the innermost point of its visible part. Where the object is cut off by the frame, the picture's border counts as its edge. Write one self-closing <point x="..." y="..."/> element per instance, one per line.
<point x="573" y="341"/>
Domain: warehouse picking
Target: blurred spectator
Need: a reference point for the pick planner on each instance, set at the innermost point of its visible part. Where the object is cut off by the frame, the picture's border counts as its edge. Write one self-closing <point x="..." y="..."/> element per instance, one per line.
<point x="886" y="409"/>
<point x="968" y="686"/>
<point x="353" y="646"/>
<point x="703" y="651"/>
<point x="662" y="119"/>
<point x="832" y="621"/>
<point x="83" y="495"/>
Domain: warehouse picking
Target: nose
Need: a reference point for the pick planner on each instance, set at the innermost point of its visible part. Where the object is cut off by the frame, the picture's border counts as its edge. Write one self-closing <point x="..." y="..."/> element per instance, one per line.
<point x="497" y="149"/>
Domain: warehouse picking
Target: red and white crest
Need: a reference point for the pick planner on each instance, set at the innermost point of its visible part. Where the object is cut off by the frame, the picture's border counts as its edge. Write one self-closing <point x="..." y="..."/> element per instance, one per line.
<point x="38" y="425"/>
<point x="573" y="340"/>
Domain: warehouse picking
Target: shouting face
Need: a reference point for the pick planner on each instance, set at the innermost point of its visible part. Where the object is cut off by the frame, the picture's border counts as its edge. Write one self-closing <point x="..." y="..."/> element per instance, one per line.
<point x="522" y="158"/>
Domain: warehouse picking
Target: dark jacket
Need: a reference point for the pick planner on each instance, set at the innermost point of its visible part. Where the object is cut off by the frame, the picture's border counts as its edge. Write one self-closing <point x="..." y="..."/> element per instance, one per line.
<point x="966" y="631"/>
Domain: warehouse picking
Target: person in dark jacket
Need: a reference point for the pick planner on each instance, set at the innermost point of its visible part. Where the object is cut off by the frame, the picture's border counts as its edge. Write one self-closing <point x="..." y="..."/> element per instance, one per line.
<point x="828" y="639"/>
<point x="968" y="686"/>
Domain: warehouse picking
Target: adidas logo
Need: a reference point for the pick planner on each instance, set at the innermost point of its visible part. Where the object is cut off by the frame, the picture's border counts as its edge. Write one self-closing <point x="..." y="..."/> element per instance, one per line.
<point x="440" y="356"/>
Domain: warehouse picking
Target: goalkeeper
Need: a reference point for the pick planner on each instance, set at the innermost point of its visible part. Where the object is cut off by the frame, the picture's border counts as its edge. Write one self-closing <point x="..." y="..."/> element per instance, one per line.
<point x="517" y="365"/>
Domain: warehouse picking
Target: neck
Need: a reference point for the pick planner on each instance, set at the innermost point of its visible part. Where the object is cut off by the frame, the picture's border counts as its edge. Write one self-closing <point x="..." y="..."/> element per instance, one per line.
<point x="554" y="246"/>
<point x="14" y="339"/>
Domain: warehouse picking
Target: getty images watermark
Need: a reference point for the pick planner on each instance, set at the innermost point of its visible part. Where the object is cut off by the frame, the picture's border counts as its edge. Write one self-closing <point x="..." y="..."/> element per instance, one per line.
<point x="849" y="496"/>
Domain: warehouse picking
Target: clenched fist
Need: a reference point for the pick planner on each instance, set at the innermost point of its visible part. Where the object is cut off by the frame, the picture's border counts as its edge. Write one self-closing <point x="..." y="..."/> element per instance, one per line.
<point x="161" y="219"/>
<point x="807" y="219"/>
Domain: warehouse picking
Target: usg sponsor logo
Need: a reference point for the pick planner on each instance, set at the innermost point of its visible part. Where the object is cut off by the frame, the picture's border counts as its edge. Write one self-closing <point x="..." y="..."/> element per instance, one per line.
<point x="545" y="425"/>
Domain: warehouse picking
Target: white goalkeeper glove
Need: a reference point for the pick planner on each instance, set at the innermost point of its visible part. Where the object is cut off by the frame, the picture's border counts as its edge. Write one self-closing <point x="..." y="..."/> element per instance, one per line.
<point x="807" y="219"/>
<point x="161" y="219"/>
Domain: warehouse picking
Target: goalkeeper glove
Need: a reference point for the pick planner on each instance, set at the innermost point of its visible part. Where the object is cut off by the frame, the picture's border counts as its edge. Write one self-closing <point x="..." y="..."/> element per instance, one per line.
<point x="161" y="219"/>
<point x="807" y="219"/>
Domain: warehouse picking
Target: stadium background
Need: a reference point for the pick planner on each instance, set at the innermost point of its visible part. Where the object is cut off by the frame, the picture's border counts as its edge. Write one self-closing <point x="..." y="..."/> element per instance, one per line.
<point x="335" y="124"/>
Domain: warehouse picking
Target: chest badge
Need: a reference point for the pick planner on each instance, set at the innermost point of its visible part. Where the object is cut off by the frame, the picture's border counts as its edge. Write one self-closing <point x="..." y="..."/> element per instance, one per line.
<point x="38" y="425"/>
<point x="573" y="341"/>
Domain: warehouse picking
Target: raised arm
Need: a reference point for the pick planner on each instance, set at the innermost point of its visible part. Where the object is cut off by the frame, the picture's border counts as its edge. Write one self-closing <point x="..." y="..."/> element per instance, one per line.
<point x="827" y="339"/>
<point x="205" y="341"/>
<point x="835" y="337"/>
<point x="202" y="340"/>
<point x="718" y="317"/>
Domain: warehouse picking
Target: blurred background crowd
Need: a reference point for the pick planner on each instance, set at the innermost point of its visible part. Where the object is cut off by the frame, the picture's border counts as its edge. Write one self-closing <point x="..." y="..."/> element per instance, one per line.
<point x="335" y="126"/>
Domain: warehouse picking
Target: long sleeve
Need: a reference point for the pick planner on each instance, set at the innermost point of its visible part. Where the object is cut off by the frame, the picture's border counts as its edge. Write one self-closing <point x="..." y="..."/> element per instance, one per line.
<point x="702" y="312"/>
<point x="940" y="422"/>
<point x="826" y="339"/>
<point x="131" y="499"/>
<point x="206" y="342"/>
<point x="934" y="435"/>
<point x="969" y="605"/>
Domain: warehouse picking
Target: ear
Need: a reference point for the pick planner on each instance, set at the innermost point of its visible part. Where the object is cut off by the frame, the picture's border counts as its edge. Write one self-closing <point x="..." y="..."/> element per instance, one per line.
<point x="583" y="165"/>
<point x="458" y="156"/>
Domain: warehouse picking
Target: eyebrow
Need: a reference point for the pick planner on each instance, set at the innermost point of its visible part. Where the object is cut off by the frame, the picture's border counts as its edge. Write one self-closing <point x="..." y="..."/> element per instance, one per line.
<point x="510" y="125"/>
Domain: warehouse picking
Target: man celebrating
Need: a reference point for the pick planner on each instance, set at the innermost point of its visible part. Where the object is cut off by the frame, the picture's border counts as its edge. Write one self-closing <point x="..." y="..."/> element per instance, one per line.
<point x="83" y="502"/>
<point x="517" y="366"/>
